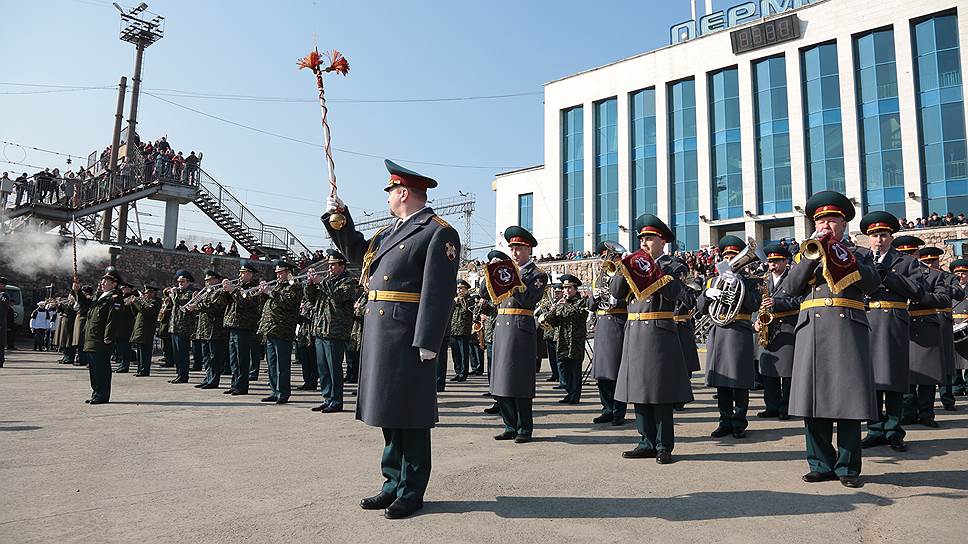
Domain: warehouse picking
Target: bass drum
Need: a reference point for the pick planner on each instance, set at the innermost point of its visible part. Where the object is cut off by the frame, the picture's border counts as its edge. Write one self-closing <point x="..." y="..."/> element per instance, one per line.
<point x="961" y="332"/>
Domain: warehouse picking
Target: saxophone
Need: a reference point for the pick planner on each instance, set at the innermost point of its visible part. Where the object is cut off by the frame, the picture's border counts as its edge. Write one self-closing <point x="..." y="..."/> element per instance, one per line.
<point x="765" y="316"/>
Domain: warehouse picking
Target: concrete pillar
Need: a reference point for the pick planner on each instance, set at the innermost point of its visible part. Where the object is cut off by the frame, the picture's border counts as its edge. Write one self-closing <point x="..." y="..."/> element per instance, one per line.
<point x="910" y="140"/>
<point x="171" y="224"/>
<point x="703" y="158"/>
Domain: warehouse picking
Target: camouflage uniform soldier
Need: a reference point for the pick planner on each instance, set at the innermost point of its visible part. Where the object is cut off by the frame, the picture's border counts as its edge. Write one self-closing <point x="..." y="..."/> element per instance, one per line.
<point x="146" y="310"/>
<point x="164" y="327"/>
<point x="332" y="300"/>
<point x="210" y="312"/>
<point x="182" y="324"/>
<point x="305" y="351"/>
<point x="461" y="322"/>
<point x="356" y="338"/>
<point x="242" y="312"/>
<point x="568" y="315"/>
<point x="279" y="316"/>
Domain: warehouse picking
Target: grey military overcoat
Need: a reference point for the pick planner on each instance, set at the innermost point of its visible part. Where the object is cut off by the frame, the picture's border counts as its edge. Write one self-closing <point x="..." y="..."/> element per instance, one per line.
<point x="687" y="328"/>
<point x="926" y="350"/>
<point x="515" y="345"/>
<point x="902" y="280"/>
<point x="396" y="388"/>
<point x="776" y="358"/>
<point x="833" y="376"/>
<point x="947" y="322"/>
<point x="609" y="335"/>
<point x="653" y="370"/>
<point x="961" y="348"/>
<point x="729" y="349"/>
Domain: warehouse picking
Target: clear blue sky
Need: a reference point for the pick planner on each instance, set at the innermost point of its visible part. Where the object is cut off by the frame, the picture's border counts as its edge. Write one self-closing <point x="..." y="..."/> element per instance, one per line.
<point x="397" y="50"/>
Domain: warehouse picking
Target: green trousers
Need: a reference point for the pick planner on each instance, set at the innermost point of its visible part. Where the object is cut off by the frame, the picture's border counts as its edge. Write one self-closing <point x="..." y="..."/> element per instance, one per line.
<point x="890" y="405"/>
<point x="821" y="455"/>
<point x="517" y="414"/>
<point x="656" y="426"/>
<point x="406" y="462"/>
<point x="947" y="392"/>
<point x="610" y="406"/>
<point x="919" y="402"/>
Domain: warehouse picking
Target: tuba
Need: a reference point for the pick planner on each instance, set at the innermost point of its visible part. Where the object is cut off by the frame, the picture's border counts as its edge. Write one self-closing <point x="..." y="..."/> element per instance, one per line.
<point x="723" y="311"/>
<point x="613" y="252"/>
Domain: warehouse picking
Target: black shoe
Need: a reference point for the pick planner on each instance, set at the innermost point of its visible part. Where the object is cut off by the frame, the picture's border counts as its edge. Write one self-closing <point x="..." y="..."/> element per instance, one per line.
<point x="784" y="417"/>
<point x="440" y="389"/>
<point x="234" y="393"/>
<point x="269" y="399"/>
<point x="121" y="371"/>
<point x="200" y="385"/>
<point x="929" y="422"/>
<point x="462" y="379"/>
<point x="506" y="435"/>
<point x="551" y="379"/>
<point x="319" y="408"/>
<point x="559" y="386"/>
<point x="306" y="387"/>
<point x="377" y="502"/>
<point x="663" y="457"/>
<point x="813" y="477"/>
<point x="678" y="407"/>
<point x="565" y="400"/>
<point x="141" y="375"/>
<point x="178" y="380"/>
<point x="756" y="387"/>
<point x="603" y="418"/>
<point x="87" y="401"/>
<point x="454" y="379"/>
<point x="492" y="409"/>
<point x="768" y="414"/>
<point x="522" y="439"/>
<point x="253" y="378"/>
<point x="282" y="401"/>
<point x="209" y="386"/>
<point x="739" y="434"/>
<point x="402" y="508"/>
<point x="618" y="422"/>
<point x="639" y="453"/>
<point x="951" y="408"/>
<point x="871" y="441"/>
<point x="228" y="392"/>
<point x="908" y="421"/>
<point x="898" y="444"/>
<point x="98" y="401"/>
<point x="486" y="395"/>
<point x="721" y="432"/>
<point x="330" y="409"/>
<point x="850" y="481"/>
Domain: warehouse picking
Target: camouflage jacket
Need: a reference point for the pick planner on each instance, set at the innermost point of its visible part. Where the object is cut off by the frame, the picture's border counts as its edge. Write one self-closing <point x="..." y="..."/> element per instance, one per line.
<point x="488" y="309"/>
<point x="281" y="312"/>
<point x="568" y="319"/>
<point x="543" y="307"/>
<point x="242" y="311"/>
<point x="356" y="336"/>
<point x="145" y="320"/>
<point x="164" y="318"/>
<point x="211" y="317"/>
<point x="304" y="335"/>
<point x="462" y="318"/>
<point x="331" y="301"/>
<point x="182" y="322"/>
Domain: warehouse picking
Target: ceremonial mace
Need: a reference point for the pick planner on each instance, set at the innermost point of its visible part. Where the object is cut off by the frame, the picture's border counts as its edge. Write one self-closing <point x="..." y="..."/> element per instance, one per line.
<point x="338" y="64"/>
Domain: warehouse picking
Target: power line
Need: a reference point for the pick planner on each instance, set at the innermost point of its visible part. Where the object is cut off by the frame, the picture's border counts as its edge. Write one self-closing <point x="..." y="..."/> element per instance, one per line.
<point x="314" y="144"/>
<point x="52" y="152"/>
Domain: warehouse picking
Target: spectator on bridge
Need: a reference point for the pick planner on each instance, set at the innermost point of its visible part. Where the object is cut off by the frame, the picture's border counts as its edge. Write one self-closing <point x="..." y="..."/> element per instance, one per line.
<point x="162" y="145"/>
<point x="177" y="164"/>
<point x="233" y="250"/>
<point x="219" y="249"/>
<point x="53" y="186"/>
<point x="6" y="188"/>
<point x="70" y="189"/>
<point x="20" y="187"/>
<point x="191" y="167"/>
<point x="181" y="246"/>
<point x="194" y="249"/>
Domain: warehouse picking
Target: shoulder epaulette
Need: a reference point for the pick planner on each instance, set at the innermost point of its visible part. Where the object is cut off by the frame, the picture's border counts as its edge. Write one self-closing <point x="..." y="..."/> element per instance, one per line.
<point x="440" y="220"/>
<point x="540" y="270"/>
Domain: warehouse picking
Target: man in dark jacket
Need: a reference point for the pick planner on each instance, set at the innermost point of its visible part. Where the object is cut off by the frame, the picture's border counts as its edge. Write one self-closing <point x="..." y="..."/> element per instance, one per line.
<point x="278" y="324"/>
<point x="122" y="350"/>
<point x="101" y="332"/>
<point x="242" y="312"/>
<point x="146" y="310"/>
<point x="209" y="310"/>
<point x="332" y="302"/>
<point x="776" y="357"/>
<point x="568" y="316"/>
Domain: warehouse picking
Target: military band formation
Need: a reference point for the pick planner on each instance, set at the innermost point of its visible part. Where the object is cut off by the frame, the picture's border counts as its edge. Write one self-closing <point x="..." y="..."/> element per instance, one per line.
<point x="840" y="335"/>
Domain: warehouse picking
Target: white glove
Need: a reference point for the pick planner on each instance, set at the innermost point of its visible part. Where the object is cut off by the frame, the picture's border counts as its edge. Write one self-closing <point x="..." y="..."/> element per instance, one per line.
<point x="495" y="260"/>
<point x="334" y="203"/>
<point x="713" y="293"/>
<point x="426" y="354"/>
<point x="612" y="300"/>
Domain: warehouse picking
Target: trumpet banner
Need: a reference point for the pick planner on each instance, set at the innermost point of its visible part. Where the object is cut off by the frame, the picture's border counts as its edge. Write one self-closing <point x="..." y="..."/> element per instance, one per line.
<point x="839" y="265"/>
<point x="643" y="275"/>
<point x="502" y="279"/>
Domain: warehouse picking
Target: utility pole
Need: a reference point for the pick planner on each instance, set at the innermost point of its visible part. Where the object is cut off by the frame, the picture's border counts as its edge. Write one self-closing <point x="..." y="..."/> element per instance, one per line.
<point x="137" y="29"/>
<point x="113" y="161"/>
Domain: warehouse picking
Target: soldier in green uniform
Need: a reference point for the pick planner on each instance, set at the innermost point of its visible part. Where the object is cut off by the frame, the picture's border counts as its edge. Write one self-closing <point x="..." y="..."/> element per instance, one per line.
<point x="568" y="315"/>
<point x="278" y="325"/>
<point x="82" y="301"/>
<point x="209" y="310"/>
<point x="101" y="332"/>
<point x="305" y="351"/>
<point x="833" y="376"/>
<point x="332" y="299"/>
<point x="146" y="309"/>
<point x="122" y="349"/>
<point x="182" y="325"/>
<point x="461" y="322"/>
<point x="164" y="326"/>
<point x="242" y="312"/>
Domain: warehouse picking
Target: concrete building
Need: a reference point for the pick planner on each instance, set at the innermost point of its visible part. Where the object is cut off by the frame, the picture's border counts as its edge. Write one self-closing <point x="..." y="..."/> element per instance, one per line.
<point x="746" y="113"/>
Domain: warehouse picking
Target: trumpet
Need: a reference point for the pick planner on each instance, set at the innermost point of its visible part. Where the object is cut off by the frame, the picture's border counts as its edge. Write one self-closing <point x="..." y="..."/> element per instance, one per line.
<point x="812" y="248"/>
<point x="612" y="252"/>
<point x="292" y="281"/>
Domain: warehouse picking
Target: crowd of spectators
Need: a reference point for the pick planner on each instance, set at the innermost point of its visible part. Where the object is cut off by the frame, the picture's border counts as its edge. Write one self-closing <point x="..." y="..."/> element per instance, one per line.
<point x="934" y="220"/>
<point x="568" y="256"/>
<point x="49" y="186"/>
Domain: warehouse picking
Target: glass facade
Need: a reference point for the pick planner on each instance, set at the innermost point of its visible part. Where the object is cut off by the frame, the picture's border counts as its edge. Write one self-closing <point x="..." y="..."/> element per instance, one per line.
<point x="773" y="175"/>
<point x="606" y="170"/>
<point x="644" y="182"/>
<point x="573" y="179"/>
<point x="821" y="111"/>
<point x="726" y="159"/>
<point x="941" y="114"/>
<point x="879" y="123"/>
<point x="683" y="164"/>
<point x="526" y="211"/>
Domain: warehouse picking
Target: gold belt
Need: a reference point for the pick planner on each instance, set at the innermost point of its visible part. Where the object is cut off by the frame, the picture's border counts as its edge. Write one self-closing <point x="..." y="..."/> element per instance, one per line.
<point x="743" y="317"/>
<point x="788" y="313"/>
<point x="684" y="317"/>
<point x="515" y="311"/>
<point x="649" y="316"/>
<point x="960" y="316"/>
<point x="833" y="303"/>
<point x="930" y="311"/>
<point x="612" y="311"/>
<point x="887" y="305"/>
<point x="393" y="296"/>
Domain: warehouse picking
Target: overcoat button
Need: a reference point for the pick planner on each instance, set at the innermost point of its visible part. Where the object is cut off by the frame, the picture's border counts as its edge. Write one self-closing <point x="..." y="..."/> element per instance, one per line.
<point x="385" y="278"/>
<point x="381" y="311"/>
<point x="816" y="315"/>
<point x="507" y="322"/>
<point x="401" y="246"/>
<point x="841" y="315"/>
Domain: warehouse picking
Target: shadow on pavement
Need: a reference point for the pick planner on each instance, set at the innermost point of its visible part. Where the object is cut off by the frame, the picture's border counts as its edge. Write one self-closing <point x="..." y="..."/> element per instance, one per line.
<point x="693" y="507"/>
<point x="950" y="479"/>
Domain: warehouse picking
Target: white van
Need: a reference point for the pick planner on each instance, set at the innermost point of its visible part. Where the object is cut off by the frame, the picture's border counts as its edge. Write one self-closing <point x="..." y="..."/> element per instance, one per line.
<point x="17" y="303"/>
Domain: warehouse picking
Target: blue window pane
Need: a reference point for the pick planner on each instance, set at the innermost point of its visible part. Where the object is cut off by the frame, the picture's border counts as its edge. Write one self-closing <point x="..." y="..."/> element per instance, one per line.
<point x="946" y="32"/>
<point x="573" y="180"/>
<point x="683" y="167"/>
<point x="928" y="72"/>
<point x="924" y="37"/>
<point x="864" y="48"/>
<point x="883" y="46"/>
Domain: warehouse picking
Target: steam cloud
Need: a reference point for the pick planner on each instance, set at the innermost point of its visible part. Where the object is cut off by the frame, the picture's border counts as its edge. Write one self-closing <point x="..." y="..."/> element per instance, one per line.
<point x="39" y="253"/>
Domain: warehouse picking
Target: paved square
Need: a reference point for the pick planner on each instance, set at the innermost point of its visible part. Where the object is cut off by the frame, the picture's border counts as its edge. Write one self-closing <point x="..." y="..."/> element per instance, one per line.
<point x="171" y="463"/>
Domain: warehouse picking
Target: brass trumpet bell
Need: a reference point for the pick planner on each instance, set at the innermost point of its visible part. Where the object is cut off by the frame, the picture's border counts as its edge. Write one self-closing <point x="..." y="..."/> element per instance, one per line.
<point x="811" y="248"/>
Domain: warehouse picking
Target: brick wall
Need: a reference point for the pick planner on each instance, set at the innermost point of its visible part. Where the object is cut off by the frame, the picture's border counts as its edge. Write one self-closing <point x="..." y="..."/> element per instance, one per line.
<point x="937" y="236"/>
